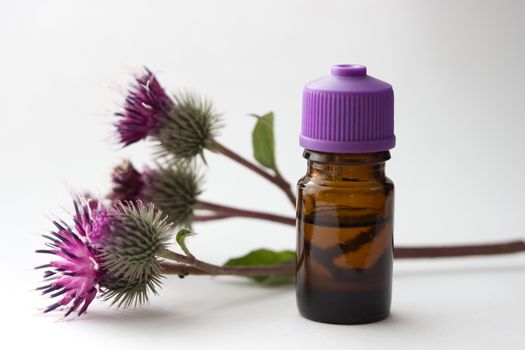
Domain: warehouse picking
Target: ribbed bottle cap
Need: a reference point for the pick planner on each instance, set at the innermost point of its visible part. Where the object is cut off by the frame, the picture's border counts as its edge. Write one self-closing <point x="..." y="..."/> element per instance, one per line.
<point x="348" y="112"/>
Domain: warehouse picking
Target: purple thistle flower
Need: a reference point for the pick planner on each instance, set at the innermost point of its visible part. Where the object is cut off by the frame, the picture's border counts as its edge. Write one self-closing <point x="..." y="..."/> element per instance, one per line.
<point x="128" y="183"/>
<point x="75" y="275"/>
<point x="146" y="105"/>
<point x="91" y="199"/>
<point x="92" y="222"/>
<point x="148" y="176"/>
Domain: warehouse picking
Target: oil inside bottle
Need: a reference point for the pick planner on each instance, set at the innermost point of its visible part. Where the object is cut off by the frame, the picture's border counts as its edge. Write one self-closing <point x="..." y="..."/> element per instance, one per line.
<point x="344" y="264"/>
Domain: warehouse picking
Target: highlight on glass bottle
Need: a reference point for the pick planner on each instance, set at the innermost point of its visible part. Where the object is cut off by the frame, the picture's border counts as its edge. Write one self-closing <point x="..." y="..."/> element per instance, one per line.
<point x="345" y="203"/>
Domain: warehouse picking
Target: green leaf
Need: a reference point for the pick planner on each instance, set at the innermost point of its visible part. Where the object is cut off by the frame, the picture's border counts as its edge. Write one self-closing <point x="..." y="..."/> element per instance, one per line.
<point x="181" y="237"/>
<point x="263" y="141"/>
<point x="266" y="257"/>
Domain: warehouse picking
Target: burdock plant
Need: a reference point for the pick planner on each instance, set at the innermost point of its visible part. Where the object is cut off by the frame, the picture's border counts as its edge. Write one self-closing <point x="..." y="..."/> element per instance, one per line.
<point x="117" y="253"/>
<point x="186" y="124"/>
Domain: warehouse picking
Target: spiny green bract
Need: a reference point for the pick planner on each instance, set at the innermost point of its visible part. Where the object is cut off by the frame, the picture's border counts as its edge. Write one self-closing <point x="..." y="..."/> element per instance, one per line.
<point x="125" y="293"/>
<point x="137" y="234"/>
<point x="174" y="191"/>
<point x="191" y="126"/>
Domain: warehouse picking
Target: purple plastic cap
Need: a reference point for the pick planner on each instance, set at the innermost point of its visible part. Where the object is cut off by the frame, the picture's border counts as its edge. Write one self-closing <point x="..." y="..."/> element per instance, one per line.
<point x="348" y="112"/>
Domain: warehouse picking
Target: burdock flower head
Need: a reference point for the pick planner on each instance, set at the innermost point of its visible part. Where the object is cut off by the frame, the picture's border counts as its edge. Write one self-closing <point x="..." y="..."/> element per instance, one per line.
<point x="173" y="189"/>
<point x="183" y="126"/>
<point x="109" y="251"/>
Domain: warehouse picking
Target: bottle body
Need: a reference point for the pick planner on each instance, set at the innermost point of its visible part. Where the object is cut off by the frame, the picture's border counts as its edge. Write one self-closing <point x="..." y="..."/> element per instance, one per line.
<point x="345" y="238"/>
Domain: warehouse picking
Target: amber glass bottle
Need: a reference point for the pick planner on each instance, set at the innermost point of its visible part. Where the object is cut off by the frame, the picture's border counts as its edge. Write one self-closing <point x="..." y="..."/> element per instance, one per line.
<point x="345" y="203"/>
<point x="345" y="217"/>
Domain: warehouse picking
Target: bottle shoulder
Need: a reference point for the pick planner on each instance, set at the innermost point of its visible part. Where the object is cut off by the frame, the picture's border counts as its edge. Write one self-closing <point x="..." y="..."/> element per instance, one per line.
<point x="326" y="181"/>
<point x="319" y="187"/>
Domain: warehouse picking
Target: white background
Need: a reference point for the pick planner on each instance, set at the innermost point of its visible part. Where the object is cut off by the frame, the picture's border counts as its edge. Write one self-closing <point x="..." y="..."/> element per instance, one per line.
<point x="458" y="73"/>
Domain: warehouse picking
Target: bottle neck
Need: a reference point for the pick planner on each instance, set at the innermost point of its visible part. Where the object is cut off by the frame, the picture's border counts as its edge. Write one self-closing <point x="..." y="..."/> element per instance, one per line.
<point x="347" y="167"/>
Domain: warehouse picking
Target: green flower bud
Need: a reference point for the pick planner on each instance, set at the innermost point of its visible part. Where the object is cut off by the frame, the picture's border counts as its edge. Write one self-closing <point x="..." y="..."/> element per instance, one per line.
<point x="190" y="126"/>
<point x="174" y="191"/>
<point x="136" y="233"/>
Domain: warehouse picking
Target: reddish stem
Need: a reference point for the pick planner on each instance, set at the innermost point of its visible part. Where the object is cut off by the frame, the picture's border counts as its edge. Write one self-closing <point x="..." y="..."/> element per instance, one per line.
<point x="182" y="270"/>
<point x="459" y="250"/>
<point x="190" y="265"/>
<point x="212" y="217"/>
<point x="224" y="211"/>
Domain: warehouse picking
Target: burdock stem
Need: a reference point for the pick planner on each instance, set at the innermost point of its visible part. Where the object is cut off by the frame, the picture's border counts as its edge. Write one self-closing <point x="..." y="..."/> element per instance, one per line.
<point x="277" y="179"/>
<point x="459" y="250"/>
<point x="191" y="265"/>
<point x="223" y="211"/>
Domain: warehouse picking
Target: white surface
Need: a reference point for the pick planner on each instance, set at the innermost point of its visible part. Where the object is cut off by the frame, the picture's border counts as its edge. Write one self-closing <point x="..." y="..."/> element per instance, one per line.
<point x="457" y="68"/>
<point x="457" y="304"/>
